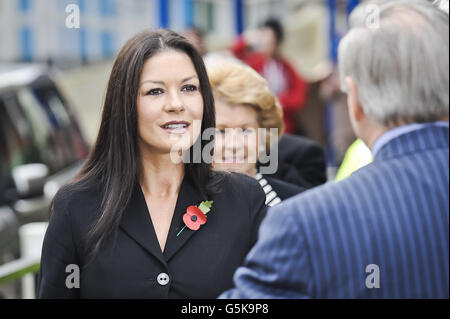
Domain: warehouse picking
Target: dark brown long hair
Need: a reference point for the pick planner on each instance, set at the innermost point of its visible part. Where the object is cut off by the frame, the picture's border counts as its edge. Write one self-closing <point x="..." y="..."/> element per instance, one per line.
<point x="114" y="161"/>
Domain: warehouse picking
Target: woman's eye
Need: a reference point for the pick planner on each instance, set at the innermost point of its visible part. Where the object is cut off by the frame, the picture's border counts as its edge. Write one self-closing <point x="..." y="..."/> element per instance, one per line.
<point x="189" y="88"/>
<point x="248" y="130"/>
<point x="155" y="92"/>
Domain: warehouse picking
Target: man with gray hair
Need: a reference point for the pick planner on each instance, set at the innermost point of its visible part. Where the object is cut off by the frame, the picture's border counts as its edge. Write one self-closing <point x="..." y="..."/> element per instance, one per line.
<point x="384" y="231"/>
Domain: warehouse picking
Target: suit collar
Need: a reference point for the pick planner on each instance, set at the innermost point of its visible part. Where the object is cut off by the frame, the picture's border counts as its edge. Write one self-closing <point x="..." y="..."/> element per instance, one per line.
<point x="137" y="223"/>
<point x="424" y="138"/>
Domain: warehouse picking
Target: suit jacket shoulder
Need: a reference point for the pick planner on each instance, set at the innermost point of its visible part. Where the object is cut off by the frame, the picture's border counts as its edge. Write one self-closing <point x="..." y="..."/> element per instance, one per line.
<point x="81" y="203"/>
<point x="243" y="184"/>
<point x="284" y="189"/>
<point x="391" y="216"/>
<point x="248" y="192"/>
<point x="301" y="161"/>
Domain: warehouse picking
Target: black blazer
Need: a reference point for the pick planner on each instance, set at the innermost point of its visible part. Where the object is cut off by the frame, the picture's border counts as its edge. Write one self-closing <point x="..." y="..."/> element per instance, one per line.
<point x="283" y="189"/>
<point x="300" y="161"/>
<point x="197" y="264"/>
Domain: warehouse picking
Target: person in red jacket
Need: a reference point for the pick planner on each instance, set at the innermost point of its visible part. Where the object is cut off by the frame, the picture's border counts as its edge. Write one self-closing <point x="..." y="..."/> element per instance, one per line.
<point x="261" y="50"/>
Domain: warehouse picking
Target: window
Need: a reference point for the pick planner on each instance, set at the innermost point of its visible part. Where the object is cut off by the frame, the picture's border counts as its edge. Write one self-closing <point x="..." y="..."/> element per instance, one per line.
<point x="24" y="5"/>
<point x="65" y="143"/>
<point x="35" y="127"/>
<point x="16" y="143"/>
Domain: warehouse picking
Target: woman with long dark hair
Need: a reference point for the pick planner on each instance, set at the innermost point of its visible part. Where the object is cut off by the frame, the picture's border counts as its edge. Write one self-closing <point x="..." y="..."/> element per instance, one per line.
<point x="143" y="219"/>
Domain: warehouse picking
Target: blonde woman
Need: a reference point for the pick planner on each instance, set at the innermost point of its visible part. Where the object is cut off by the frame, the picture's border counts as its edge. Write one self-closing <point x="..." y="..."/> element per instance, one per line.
<point x="244" y="104"/>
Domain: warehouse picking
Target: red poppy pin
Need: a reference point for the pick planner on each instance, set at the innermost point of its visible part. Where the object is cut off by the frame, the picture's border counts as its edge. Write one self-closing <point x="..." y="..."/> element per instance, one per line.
<point x="195" y="216"/>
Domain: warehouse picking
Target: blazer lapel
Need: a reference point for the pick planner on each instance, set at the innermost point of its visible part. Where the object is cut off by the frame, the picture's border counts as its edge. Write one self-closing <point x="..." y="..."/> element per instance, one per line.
<point x="136" y="222"/>
<point x="188" y="195"/>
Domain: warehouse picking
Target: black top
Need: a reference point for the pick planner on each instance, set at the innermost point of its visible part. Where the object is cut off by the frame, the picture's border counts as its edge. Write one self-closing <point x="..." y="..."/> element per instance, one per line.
<point x="301" y="161"/>
<point x="277" y="190"/>
<point x="197" y="264"/>
<point x="283" y="189"/>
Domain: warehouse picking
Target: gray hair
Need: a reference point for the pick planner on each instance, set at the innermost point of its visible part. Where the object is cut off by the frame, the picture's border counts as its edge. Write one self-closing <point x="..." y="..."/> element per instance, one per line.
<point x="397" y="52"/>
<point x="442" y="4"/>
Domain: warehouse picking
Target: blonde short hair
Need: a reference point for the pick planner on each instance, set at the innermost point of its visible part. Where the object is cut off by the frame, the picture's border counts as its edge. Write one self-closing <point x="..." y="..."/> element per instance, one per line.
<point x="238" y="84"/>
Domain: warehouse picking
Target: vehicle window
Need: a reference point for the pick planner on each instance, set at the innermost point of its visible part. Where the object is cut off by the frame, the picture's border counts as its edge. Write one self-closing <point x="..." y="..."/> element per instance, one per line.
<point x="42" y="129"/>
<point x="36" y="127"/>
<point x="49" y="97"/>
<point x="68" y="136"/>
<point x="32" y="131"/>
<point x="17" y="144"/>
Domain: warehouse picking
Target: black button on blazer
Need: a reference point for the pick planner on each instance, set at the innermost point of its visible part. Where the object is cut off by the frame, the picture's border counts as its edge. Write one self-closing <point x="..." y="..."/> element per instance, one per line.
<point x="196" y="264"/>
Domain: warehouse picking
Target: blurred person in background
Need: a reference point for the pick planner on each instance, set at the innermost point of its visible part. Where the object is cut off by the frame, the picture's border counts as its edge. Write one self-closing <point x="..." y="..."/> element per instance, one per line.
<point x="134" y="220"/>
<point x="350" y="153"/>
<point x="341" y="135"/>
<point x="195" y="36"/>
<point x="261" y="50"/>
<point x="382" y="232"/>
<point x="243" y="105"/>
<point x="357" y="156"/>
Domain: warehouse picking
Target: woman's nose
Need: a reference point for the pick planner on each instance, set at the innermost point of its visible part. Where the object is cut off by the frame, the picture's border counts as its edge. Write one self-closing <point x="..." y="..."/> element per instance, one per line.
<point x="174" y="103"/>
<point x="234" y="139"/>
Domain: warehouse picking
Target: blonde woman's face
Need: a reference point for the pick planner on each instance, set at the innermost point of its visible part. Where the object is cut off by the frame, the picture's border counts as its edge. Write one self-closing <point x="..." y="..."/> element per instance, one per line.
<point x="236" y="141"/>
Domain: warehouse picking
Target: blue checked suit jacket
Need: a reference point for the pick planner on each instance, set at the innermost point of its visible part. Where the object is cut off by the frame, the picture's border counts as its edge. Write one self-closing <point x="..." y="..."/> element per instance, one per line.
<point x="393" y="213"/>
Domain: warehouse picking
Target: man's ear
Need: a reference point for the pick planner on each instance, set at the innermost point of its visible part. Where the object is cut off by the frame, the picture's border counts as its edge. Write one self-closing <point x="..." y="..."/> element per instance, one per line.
<point x="355" y="107"/>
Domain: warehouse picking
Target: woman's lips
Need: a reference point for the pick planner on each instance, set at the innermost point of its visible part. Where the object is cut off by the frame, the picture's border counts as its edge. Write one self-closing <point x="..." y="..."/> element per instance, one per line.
<point x="176" y="127"/>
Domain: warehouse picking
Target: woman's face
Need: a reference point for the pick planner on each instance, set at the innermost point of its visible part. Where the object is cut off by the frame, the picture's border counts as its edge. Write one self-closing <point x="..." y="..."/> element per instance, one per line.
<point x="236" y="141"/>
<point x="169" y="103"/>
<point x="268" y="41"/>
